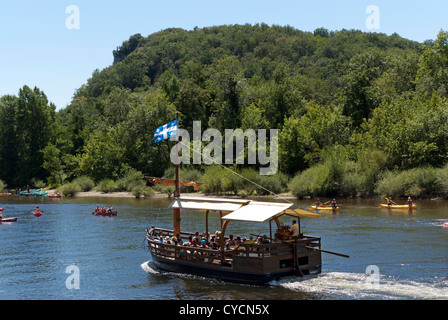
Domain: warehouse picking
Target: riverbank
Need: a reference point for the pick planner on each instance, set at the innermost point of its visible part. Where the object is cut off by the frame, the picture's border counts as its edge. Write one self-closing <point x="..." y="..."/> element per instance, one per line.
<point x="93" y="194"/>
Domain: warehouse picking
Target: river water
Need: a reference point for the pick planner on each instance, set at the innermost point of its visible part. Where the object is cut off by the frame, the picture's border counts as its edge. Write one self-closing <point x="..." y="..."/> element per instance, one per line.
<point x="68" y="253"/>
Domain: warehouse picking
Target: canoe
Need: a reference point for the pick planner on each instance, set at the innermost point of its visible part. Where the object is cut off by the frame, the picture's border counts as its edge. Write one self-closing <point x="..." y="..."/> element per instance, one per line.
<point x="325" y="208"/>
<point x="58" y="195"/>
<point x="114" y="213"/>
<point x="8" y="219"/>
<point x="398" y="206"/>
<point x="37" y="214"/>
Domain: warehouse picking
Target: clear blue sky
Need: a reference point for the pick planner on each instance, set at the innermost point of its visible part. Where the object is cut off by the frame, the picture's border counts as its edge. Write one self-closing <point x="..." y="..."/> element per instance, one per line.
<point x="37" y="49"/>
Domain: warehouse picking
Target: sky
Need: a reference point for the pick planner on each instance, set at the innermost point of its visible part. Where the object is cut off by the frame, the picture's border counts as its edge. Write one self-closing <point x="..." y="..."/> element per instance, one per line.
<point x="56" y="45"/>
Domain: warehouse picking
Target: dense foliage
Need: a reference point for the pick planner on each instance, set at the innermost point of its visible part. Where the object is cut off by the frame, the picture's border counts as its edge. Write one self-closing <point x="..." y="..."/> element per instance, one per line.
<point x="356" y="111"/>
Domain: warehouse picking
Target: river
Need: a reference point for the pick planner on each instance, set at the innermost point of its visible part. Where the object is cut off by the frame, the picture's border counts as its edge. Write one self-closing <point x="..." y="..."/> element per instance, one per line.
<point x="69" y="254"/>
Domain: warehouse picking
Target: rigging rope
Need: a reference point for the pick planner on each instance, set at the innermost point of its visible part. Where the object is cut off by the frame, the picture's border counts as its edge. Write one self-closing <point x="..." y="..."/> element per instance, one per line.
<point x="241" y="176"/>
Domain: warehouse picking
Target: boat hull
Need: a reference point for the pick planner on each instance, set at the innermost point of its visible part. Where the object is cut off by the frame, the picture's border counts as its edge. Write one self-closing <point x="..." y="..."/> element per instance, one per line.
<point x="394" y="206"/>
<point x="218" y="273"/>
<point x="324" y="208"/>
<point x="8" y="220"/>
<point x="105" y="214"/>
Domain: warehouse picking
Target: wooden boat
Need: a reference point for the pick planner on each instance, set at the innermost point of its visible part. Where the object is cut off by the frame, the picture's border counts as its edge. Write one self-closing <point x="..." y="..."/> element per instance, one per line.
<point x="246" y="263"/>
<point x="398" y="206"/>
<point x="8" y="219"/>
<point x="324" y="208"/>
<point x="113" y="213"/>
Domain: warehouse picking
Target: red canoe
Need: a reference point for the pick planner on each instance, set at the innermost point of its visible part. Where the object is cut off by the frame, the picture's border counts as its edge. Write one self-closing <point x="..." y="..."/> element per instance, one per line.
<point x="105" y="214"/>
<point x="8" y="219"/>
<point x="38" y="214"/>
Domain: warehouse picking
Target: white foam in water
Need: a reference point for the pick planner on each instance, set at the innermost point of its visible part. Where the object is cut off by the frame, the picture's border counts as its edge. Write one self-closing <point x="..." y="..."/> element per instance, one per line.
<point x="146" y="267"/>
<point x="356" y="286"/>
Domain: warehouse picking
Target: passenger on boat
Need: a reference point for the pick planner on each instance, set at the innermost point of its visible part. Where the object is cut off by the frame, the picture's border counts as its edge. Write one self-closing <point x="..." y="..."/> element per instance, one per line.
<point x="264" y="240"/>
<point x="97" y="209"/>
<point x="251" y="240"/>
<point x="238" y="240"/>
<point x="294" y="229"/>
<point x="231" y="241"/>
<point x="179" y="240"/>
<point x="318" y="203"/>
<point x="204" y="243"/>
<point x="109" y="209"/>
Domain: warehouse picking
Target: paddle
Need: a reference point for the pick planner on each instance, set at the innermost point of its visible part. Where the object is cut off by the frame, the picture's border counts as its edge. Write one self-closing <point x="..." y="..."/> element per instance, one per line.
<point x="308" y="247"/>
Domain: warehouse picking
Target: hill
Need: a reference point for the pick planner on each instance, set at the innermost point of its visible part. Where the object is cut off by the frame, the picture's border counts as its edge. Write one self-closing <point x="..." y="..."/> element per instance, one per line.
<point x="348" y="104"/>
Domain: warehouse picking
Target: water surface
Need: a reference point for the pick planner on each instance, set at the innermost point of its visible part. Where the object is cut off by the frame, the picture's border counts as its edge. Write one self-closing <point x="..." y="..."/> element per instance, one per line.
<point x="409" y="249"/>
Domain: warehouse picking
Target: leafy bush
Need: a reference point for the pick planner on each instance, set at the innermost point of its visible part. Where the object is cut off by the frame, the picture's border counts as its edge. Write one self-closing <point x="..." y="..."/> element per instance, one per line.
<point x="37" y="183"/>
<point x="142" y="190"/>
<point x="70" y="189"/>
<point x="2" y="185"/>
<point x="418" y="182"/>
<point x="212" y="180"/>
<point x="107" y="185"/>
<point x="130" y="178"/>
<point x="85" y="183"/>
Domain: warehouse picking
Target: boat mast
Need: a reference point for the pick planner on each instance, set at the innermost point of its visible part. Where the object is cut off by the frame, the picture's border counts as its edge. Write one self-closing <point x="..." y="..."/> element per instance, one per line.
<point x="176" y="211"/>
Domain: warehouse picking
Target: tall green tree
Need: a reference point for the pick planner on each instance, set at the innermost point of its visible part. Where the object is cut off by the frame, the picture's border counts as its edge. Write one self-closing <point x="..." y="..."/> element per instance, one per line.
<point x="432" y="74"/>
<point x="8" y="138"/>
<point x="34" y="119"/>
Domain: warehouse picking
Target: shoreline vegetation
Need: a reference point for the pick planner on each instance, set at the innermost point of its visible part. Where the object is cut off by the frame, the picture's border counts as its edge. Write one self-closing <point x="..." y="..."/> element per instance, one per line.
<point x="359" y="115"/>
<point x="326" y="181"/>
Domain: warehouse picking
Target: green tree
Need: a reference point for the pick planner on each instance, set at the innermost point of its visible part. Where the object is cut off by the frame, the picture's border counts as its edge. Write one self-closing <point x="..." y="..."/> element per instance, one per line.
<point x="432" y="74"/>
<point x="8" y="138"/>
<point x="34" y="120"/>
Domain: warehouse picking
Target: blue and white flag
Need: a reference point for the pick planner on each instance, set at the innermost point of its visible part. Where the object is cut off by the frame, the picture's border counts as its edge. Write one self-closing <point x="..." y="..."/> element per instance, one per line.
<point x="166" y="131"/>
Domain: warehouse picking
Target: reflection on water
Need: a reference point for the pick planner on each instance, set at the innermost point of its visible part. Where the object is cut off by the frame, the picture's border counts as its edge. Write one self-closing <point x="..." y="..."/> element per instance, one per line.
<point x="408" y="248"/>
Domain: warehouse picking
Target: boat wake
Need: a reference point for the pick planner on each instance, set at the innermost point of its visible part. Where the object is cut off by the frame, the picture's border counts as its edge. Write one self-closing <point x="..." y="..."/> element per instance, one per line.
<point x="147" y="267"/>
<point x="342" y="285"/>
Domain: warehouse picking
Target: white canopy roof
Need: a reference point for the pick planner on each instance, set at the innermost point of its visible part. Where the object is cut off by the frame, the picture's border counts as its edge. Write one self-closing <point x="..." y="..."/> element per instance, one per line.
<point x="242" y="210"/>
<point x="257" y="211"/>
<point x="213" y="204"/>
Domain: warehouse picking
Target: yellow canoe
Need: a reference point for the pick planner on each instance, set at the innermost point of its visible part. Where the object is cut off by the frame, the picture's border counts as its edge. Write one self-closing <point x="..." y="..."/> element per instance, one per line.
<point x="325" y="208"/>
<point x="398" y="206"/>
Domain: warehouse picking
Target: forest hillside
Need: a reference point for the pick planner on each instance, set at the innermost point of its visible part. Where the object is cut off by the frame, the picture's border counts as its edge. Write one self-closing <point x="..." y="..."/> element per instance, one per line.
<point x="358" y="114"/>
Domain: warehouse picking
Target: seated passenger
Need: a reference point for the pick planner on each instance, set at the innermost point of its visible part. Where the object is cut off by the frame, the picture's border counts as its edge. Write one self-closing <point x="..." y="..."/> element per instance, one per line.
<point x="264" y="240"/>
<point x="294" y="229"/>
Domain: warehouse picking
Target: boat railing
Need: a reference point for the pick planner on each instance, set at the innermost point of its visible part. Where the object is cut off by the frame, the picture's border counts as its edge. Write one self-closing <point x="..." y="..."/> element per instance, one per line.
<point x="222" y="256"/>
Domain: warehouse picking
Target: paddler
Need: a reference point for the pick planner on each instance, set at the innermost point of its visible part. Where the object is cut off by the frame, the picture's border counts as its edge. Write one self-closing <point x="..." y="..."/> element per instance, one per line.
<point x="390" y="201"/>
<point x="410" y="202"/>
<point x="333" y="204"/>
<point x="318" y="203"/>
<point x="36" y="210"/>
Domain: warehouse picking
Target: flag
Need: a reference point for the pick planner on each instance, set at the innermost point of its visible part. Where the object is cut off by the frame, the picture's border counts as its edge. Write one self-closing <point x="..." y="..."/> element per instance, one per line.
<point x="166" y="131"/>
